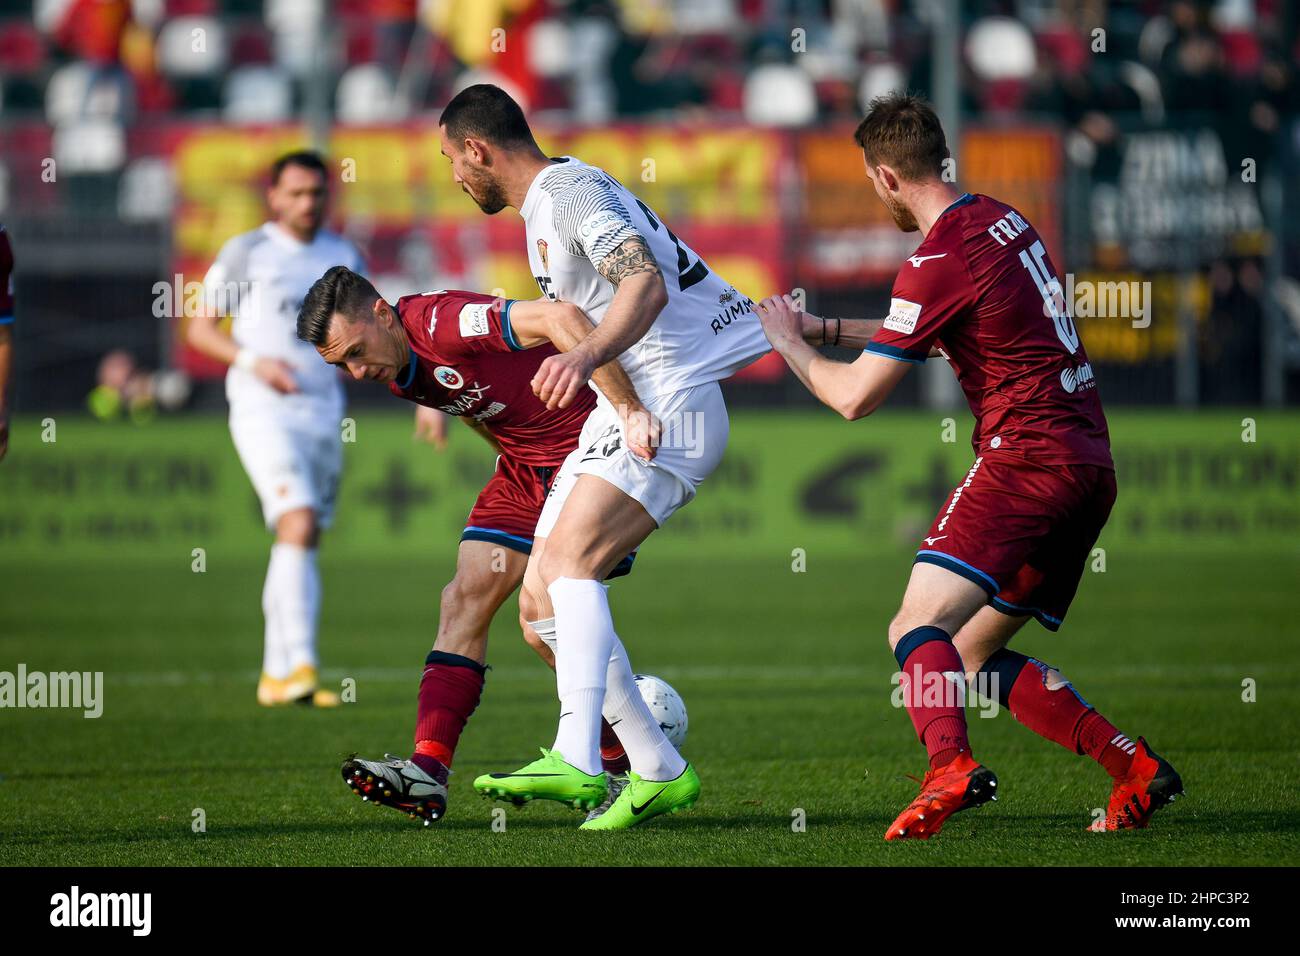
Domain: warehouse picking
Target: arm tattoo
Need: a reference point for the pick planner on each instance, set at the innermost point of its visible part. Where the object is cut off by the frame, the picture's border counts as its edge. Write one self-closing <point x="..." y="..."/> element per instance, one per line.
<point x="632" y="256"/>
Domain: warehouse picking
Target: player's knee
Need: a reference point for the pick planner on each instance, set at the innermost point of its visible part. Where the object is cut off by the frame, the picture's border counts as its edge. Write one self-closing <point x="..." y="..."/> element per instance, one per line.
<point x="298" y="527"/>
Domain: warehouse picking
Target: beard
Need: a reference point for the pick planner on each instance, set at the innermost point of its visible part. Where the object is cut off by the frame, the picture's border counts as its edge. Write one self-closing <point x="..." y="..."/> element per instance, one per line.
<point x="487" y="192"/>
<point x="902" y="216"/>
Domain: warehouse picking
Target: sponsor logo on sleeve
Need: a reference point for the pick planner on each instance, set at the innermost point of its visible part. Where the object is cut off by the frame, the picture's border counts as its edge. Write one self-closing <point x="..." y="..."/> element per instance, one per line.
<point x="474" y="319"/>
<point x="602" y="222"/>
<point x="903" y="316"/>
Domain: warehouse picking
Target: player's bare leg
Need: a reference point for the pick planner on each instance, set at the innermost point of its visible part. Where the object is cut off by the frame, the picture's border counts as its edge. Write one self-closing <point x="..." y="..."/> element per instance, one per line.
<point x="936" y="605"/>
<point x="450" y="688"/>
<point x="1042" y="699"/>
<point x="291" y="605"/>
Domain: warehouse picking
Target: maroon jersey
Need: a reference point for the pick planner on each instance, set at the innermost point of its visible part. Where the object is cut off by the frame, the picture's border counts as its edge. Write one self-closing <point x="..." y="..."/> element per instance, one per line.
<point x="466" y="361"/>
<point x="982" y="288"/>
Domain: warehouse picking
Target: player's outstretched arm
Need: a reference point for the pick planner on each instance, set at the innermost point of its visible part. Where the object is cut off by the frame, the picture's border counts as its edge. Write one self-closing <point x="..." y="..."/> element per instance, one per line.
<point x="849" y="333"/>
<point x="565" y="326"/>
<point x="855" y="390"/>
<point x="639" y="297"/>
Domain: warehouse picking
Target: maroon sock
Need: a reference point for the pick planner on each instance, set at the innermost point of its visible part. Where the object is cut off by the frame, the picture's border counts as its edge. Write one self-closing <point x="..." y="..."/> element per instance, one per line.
<point x="613" y="758"/>
<point x="1059" y="713"/>
<point x="924" y="654"/>
<point x="1097" y="737"/>
<point x="449" y="693"/>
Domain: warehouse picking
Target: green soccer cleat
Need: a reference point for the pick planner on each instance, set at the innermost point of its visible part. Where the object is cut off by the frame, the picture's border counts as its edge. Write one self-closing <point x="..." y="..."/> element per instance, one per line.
<point x="549" y="778"/>
<point x="643" y="799"/>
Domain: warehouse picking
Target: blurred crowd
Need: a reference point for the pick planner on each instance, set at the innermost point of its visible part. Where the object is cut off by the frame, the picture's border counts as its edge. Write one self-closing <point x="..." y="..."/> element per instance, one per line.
<point x="769" y="62"/>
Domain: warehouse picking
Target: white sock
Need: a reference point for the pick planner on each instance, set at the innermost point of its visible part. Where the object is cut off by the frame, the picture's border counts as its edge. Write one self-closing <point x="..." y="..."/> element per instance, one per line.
<point x="585" y="638"/>
<point x="273" y="660"/>
<point x="651" y="754"/>
<point x="296" y="582"/>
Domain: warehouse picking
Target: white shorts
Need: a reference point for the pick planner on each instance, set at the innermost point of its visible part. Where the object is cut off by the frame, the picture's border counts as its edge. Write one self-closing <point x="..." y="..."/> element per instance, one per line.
<point x="695" y="430"/>
<point x="290" y="467"/>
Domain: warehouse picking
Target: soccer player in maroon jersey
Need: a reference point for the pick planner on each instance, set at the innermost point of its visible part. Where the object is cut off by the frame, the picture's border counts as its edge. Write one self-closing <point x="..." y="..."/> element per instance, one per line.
<point x="474" y="356"/>
<point x="1011" y="542"/>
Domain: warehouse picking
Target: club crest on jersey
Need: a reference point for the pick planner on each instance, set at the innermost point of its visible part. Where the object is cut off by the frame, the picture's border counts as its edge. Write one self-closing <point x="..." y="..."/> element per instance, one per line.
<point x="448" y="377"/>
<point x="541" y="254"/>
<point x="903" y="316"/>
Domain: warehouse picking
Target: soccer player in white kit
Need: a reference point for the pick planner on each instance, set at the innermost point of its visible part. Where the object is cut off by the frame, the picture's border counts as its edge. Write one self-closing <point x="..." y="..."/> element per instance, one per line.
<point x="677" y="328"/>
<point x="285" y="407"/>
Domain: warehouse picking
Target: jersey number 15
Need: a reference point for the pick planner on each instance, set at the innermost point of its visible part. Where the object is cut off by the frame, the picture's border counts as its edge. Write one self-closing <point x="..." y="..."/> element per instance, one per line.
<point x="1049" y="287"/>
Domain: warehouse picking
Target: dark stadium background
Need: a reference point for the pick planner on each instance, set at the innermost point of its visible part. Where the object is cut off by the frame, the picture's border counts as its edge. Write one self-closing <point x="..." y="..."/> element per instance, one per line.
<point x="160" y="118"/>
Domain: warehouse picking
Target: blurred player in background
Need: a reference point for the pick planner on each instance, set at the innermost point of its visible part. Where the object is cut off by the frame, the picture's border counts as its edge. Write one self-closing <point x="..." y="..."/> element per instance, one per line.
<point x="6" y="334"/>
<point x="1012" y="541"/>
<point x="473" y="356"/>
<point x="285" y="407"/>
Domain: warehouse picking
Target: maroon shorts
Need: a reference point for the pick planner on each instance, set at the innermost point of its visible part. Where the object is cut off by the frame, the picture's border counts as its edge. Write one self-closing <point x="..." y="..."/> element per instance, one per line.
<point x="1023" y="532"/>
<point x="509" y="505"/>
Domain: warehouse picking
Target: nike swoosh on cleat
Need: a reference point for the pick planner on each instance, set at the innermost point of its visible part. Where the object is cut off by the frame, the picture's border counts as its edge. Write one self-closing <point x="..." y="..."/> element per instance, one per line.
<point x="637" y="811"/>
<point x="507" y="776"/>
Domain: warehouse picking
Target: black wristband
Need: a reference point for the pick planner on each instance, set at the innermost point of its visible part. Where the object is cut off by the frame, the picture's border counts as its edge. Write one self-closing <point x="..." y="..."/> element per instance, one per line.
<point x="823" y="331"/>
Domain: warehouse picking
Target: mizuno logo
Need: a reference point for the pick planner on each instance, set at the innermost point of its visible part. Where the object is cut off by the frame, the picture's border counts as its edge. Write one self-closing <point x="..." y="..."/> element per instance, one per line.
<point x="917" y="260"/>
<point x="433" y="318"/>
<point x="929" y="542"/>
<point x="637" y="811"/>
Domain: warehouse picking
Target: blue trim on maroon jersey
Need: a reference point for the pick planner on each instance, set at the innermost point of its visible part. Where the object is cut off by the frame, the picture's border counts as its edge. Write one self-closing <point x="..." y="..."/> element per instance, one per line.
<point x="410" y="375"/>
<point x="525" y="546"/>
<point x="1043" y="618"/>
<point x="506" y="331"/>
<point x="961" y="200"/>
<point x="958" y="566"/>
<point x="512" y="541"/>
<point x="896" y="353"/>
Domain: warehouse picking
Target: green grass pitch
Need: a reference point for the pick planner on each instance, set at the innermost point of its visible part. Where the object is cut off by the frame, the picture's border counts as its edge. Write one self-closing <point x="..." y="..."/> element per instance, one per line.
<point x="786" y="677"/>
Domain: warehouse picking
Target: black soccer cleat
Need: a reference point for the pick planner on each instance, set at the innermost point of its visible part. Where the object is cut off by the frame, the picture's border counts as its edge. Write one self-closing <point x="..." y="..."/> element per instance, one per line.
<point x="398" y="783"/>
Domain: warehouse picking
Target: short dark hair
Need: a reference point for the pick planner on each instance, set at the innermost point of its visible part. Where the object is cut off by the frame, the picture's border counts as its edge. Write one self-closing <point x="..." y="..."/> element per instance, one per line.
<point x="305" y="158"/>
<point x="338" y="290"/>
<point x="489" y="113"/>
<point x="903" y="131"/>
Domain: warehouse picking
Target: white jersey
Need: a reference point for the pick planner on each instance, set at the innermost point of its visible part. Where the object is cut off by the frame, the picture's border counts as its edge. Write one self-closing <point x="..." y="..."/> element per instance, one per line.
<point x="575" y="216"/>
<point x="260" y="278"/>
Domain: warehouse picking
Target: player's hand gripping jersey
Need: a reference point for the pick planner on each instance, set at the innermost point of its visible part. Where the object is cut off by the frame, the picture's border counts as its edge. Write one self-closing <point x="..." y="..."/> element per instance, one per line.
<point x="982" y="288"/>
<point x="576" y="215"/>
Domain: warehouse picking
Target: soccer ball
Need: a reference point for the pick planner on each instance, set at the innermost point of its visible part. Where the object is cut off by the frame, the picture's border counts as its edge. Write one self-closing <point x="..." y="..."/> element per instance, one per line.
<point x="665" y="705"/>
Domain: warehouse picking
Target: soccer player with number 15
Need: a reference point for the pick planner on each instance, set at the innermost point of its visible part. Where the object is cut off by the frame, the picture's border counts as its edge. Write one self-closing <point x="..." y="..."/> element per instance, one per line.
<point x="1011" y="542"/>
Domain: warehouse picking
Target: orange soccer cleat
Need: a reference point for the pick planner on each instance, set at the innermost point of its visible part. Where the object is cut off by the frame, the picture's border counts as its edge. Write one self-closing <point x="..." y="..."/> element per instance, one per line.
<point x="958" y="785"/>
<point x="1151" y="783"/>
